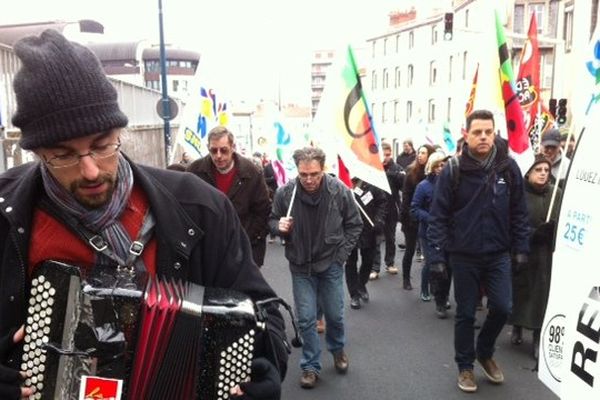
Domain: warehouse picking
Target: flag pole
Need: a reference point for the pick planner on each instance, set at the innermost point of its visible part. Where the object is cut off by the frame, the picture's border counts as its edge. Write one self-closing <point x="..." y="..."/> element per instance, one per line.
<point x="289" y="211"/>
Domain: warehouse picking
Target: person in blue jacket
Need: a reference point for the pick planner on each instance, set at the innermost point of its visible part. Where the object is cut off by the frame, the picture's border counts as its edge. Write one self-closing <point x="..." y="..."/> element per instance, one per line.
<point x="479" y="222"/>
<point x="419" y="209"/>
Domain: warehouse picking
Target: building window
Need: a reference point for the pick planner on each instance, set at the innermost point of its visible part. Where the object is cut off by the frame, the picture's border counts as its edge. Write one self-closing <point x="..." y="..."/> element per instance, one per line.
<point x="396" y="111"/>
<point x="175" y="85"/>
<point x="431" y="113"/>
<point x="386" y="79"/>
<point x="409" y="78"/>
<point x="432" y="73"/>
<point x="397" y="77"/>
<point x="383" y="107"/>
<point x="434" y="35"/>
<point x="385" y="46"/>
<point x="546" y="63"/>
<point x="538" y="9"/>
<point x="373" y="80"/>
<point x="568" y="27"/>
<point x="373" y="111"/>
<point x="466" y="18"/>
<point x="397" y="43"/>
<point x="373" y="49"/>
<point x="519" y="19"/>
<point x="411" y="39"/>
<point x="450" y="68"/>
<point x="464" y="66"/>
<point x="408" y="111"/>
<point x="449" y="110"/>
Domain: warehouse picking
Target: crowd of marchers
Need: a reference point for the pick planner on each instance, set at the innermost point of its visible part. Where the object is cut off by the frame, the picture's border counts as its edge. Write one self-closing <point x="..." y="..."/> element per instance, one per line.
<point x="471" y="220"/>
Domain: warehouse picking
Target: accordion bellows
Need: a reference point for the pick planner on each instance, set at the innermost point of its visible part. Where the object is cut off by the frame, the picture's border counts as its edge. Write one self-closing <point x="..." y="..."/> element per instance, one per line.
<point x="159" y="339"/>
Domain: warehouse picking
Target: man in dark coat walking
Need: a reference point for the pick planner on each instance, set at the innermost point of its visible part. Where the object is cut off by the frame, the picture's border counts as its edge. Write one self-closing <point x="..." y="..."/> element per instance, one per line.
<point x="242" y="182"/>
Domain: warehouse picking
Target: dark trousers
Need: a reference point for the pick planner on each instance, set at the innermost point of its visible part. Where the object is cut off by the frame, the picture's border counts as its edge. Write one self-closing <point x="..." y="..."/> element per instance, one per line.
<point x="494" y="271"/>
<point x="357" y="279"/>
<point x="410" y="239"/>
<point x="389" y="231"/>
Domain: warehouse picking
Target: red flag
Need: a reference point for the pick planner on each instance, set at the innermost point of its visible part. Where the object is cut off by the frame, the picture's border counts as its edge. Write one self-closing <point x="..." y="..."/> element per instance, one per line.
<point x="471" y="100"/>
<point x="343" y="173"/>
<point x="536" y="117"/>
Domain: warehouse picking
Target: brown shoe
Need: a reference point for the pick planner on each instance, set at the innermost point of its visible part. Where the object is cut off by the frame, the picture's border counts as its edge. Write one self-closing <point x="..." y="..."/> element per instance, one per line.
<point x="341" y="362"/>
<point x="320" y="325"/>
<point x="466" y="381"/>
<point x="491" y="370"/>
<point x="308" y="380"/>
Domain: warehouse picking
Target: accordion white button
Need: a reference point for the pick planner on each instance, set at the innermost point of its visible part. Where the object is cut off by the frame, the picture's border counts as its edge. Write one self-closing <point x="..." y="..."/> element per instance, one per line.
<point x="191" y="232"/>
<point x="8" y="209"/>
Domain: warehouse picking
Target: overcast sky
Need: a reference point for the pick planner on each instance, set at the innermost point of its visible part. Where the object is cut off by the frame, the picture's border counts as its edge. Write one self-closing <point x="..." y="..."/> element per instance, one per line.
<point x="247" y="47"/>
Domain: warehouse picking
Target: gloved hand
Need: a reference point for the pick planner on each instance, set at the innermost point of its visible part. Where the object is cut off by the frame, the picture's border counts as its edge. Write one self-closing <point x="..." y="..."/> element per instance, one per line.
<point x="518" y="263"/>
<point x="10" y="379"/>
<point x="439" y="271"/>
<point x="265" y="383"/>
<point x="544" y="234"/>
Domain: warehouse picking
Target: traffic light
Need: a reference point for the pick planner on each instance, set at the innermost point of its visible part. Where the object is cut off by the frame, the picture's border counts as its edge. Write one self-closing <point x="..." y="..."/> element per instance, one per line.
<point x="553" y="108"/>
<point x="561" y="112"/>
<point x="448" y="22"/>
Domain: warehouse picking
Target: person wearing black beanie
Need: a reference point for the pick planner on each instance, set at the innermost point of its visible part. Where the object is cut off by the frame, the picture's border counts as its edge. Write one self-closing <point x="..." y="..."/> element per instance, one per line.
<point x="85" y="203"/>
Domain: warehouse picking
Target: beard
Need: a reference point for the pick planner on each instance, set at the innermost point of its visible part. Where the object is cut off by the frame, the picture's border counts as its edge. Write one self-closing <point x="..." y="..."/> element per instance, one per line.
<point x="93" y="201"/>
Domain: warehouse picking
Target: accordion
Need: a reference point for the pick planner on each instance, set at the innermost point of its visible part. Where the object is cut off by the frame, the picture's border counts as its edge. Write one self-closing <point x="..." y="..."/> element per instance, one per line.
<point x="113" y="336"/>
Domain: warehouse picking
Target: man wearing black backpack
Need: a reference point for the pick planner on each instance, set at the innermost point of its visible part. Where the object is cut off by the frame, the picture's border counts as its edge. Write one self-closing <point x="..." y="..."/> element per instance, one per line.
<point x="478" y="224"/>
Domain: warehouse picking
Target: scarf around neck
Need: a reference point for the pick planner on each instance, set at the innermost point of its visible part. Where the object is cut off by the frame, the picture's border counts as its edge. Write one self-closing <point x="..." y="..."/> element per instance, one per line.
<point x="102" y="220"/>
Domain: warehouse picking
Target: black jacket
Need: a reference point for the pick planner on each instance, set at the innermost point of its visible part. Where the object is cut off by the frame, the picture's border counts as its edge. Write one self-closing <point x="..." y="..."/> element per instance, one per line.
<point x="249" y="195"/>
<point x="198" y="234"/>
<point x="374" y="202"/>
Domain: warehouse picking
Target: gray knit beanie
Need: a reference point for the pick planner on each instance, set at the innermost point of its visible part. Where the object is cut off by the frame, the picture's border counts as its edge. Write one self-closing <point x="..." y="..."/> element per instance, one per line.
<point x="62" y="92"/>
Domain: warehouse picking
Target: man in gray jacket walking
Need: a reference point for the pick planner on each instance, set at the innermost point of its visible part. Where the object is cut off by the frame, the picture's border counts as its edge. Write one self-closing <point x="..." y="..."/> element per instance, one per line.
<point x="321" y="224"/>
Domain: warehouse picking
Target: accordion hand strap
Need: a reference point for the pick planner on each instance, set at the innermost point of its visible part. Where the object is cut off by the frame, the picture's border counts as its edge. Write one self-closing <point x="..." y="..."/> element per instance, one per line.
<point x="97" y="242"/>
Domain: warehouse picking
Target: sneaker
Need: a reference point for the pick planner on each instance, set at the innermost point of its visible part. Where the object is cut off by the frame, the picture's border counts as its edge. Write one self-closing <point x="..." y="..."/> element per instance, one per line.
<point x="406" y="284"/>
<point x="491" y="370"/>
<point x="390" y="269"/>
<point x="466" y="381"/>
<point x="441" y="312"/>
<point x="320" y="325"/>
<point x="364" y="295"/>
<point x="374" y="275"/>
<point x="448" y="306"/>
<point x="341" y="362"/>
<point x="425" y="297"/>
<point x="420" y="258"/>
<point x="355" y="302"/>
<point x="308" y="380"/>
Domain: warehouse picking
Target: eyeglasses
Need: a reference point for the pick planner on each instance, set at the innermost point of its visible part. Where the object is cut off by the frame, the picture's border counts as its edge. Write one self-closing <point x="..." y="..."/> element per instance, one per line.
<point x="312" y="175"/>
<point x="72" y="158"/>
<point x="222" y="150"/>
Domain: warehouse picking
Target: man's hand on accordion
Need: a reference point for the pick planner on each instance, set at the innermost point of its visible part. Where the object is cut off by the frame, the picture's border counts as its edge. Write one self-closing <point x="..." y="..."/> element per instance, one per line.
<point x="10" y="379"/>
<point x="264" y="384"/>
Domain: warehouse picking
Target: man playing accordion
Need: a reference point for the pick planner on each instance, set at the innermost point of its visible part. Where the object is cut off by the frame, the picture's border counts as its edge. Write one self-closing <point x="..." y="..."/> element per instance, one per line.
<point x="162" y="223"/>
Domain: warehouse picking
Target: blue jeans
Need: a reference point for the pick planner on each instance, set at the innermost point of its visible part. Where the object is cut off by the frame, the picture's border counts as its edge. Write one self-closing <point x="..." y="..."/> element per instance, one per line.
<point x="326" y="288"/>
<point x="494" y="272"/>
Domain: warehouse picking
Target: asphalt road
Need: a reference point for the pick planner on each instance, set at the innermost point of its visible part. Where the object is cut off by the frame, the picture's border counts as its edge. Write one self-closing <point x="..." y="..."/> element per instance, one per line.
<point x="398" y="349"/>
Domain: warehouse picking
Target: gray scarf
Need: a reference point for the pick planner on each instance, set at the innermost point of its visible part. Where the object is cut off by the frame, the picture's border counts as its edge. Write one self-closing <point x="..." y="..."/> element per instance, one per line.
<point x="103" y="220"/>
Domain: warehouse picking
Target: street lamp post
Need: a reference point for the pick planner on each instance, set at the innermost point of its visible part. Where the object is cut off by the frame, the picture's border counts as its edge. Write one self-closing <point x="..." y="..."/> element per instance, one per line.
<point x="163" y="78"/>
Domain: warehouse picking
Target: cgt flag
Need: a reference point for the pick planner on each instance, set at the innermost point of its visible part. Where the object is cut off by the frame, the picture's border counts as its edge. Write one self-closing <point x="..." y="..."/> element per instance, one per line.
<point x="343" y="115"/>
<point x="536" y="117"/>
<point x="518" y="141"/>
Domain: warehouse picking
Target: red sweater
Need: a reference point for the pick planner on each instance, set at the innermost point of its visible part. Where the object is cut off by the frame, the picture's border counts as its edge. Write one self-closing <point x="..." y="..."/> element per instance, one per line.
<point x="51" y="240"/>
